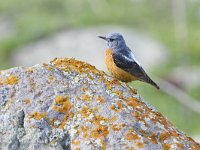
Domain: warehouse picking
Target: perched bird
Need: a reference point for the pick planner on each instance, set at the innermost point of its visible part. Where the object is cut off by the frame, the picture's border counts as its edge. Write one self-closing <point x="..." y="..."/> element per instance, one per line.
<point x="121" y="61"/>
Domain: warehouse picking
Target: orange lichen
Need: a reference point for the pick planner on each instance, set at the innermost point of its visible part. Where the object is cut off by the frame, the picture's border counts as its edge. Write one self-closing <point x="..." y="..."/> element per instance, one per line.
<point x="163" y="136"/>
<point x="27" y="101"/>
<point x="118" y="107"/>
<point x="166" y="146"/>
<point x="64" y="109"/>
<point x="86" y="111"/>
<point x="119" y="93"/>
<point x="61" y="99"/>
<point x="65" y="105"/>
<point x="72" y="64"/>
<point x="137" y="115"/>
<point x="174" y="133"/>
<point x="120" y="104"/>
<point x="78" y="98"/>
<point x="90" y="77"/>
<point x="114" y="81"/>
<point x="112" y="107"/>
<point x="38" y="116"/>
<point x="52" y="122"/>
<point x="153" y="138"/>
<point x="100" y="99"/>
<point x="51" y="78"/>
<point x="122" y="124"/>
<point x="68" y="115"/>
<point x="134" y="91"/>
<point x="85" y="135"/>
<point x="179" y="145"/>
<point x="60" y="124"/>
<point x="165" y="122"/>
<point x="158" y="117"/>
<point x="110" y="83"/>
<point x="63" y="122"/>
<point x="86" y="97"/>
<point x="97" y="119"/>
<point x="154" y="119"/>
<point x="195" y="145"/>
<point x="140" y="145"/>
<point x="1" y="81"/>
<point x="76" y="142"/>
<point x="117" y="127"/>
<point x="29" y="70"/>
<point x="84" y="129"/>
<point x="146" y="114"/>
<point x="84" y="89"/>
<point x="102" y="79"/>
<point x="143" y="132"/>
<point x="109" y="86"/>
<point x="95" y="109"/>
<point x="103" y="145"/>
<point x="131" y="136"/>
<point x="11" y="80"/>
<point x="47" y="67"/>
<point x="133" y="102"/>
<point x="99" y="131"/>
<point x="113" y="119"/>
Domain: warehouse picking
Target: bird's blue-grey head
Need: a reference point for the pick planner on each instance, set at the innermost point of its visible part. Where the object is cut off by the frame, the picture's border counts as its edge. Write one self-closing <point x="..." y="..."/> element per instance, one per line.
<point x="114" y="41"/>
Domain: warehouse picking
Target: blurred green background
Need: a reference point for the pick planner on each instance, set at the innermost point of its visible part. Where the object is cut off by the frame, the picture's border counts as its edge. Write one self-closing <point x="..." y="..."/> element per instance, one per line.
<point x="167" y="21"/>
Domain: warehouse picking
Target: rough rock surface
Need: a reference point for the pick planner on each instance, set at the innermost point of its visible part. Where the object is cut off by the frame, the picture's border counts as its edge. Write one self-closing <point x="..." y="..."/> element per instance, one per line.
<point x="68" y="104"/>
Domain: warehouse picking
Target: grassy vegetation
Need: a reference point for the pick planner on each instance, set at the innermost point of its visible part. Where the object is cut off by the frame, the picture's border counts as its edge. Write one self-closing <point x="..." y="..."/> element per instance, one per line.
<point x="35" y="19"/>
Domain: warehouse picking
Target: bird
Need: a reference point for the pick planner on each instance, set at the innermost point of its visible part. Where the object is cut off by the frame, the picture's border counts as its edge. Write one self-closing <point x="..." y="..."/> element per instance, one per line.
<point x="121" y="61"/>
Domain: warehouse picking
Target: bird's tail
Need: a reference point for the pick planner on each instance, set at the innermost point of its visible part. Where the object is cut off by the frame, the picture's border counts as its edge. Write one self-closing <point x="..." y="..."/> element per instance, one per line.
<point x="147" y="79"/>
<point x="154" y="84"/>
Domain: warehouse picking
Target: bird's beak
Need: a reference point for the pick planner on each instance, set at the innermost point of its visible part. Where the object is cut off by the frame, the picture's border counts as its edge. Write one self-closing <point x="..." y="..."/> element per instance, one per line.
<point x="102" y="37"/>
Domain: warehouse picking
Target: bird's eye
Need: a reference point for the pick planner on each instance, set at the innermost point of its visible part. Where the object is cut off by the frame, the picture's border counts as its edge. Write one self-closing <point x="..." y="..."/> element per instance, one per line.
<point x="111" y="40"/>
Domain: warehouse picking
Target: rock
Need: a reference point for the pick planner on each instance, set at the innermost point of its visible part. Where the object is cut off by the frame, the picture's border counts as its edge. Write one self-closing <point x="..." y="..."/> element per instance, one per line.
<point x="149" y="52"/>
<point x="68" y="104"/>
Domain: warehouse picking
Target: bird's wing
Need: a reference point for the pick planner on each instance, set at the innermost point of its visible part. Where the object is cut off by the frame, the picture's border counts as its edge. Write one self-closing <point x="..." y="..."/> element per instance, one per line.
<point x="131" y="66"/>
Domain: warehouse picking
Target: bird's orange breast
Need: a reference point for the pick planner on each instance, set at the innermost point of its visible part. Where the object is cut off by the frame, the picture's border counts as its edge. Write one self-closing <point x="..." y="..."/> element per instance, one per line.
<point x="116" y="71"/>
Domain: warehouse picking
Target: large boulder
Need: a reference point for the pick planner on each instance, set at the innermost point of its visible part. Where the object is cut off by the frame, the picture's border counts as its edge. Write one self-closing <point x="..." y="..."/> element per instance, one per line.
<point x="68" y="104"/>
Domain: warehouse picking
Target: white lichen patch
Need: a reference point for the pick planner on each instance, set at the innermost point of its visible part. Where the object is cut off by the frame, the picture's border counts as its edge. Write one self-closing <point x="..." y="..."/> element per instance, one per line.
<point x="161" y="126"/>
<point x="57" y="123"/>
<point x="147" y="119"/>
<point x="76" y="79"/>
<point x="102" y="122"/>
<point x="142" y="126"/>
<point x="91" y="116"/>
<point x="87" y="142"/>
<point x="73" y="132"/>
<point x="56" y="133"/>
<point x="98" y="142"/>
<point x="88" y="123"/>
